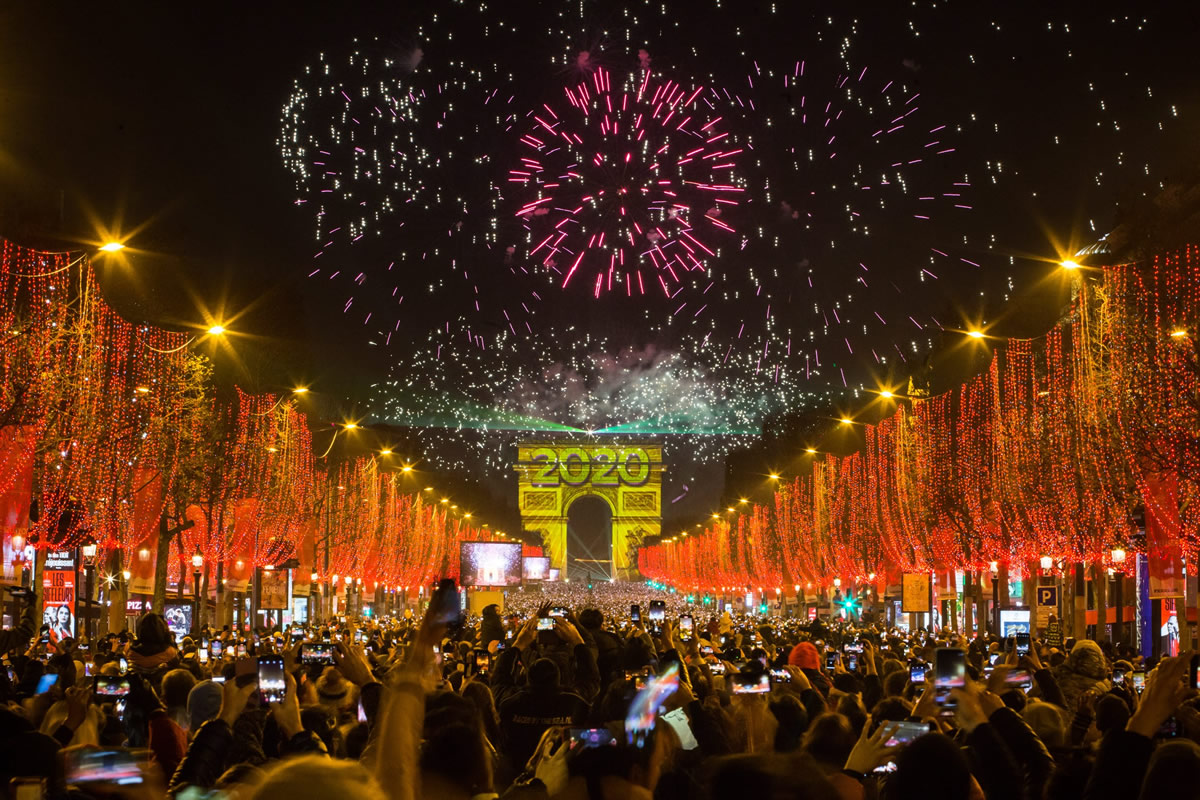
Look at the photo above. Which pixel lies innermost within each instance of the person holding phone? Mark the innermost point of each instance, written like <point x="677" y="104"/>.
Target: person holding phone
<point x="13" y="639"/>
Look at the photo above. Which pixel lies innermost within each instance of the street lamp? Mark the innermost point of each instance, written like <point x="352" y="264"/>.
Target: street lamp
<point x="1118" y="556"/>
<point x="1047" y="563"/>
<point x="197" y="565"/>
<point x="88" y="551"/>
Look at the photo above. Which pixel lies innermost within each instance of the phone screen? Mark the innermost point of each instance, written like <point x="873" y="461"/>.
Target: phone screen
<point x="545" y="623"/>
<point x="271" y="681"/>
<point x="45" y="682"/>
<point x="830" y="660"/>
<point x="635" y="613"/>
<point x="241" y="650"/>
<point x="215" y="647"/>
<point x="449" y="603"/>
<point x="685" y="627"/>
<point x="1019" y="678"/>
<point x="108" y="686"/>
<point x="1139" y="680"/>
<point x="781" y="676"/>
<point x="851" y="662"/>
<point x="750" y="684"/>
<point x="124" y="664"/>
<point x="117" y="766"/>
<point x="558" y="611"/>
<point x="1022" y="643"/>
<point x="916" y="673"/>
<point x="950" y="672"/>
<point x="589" y="738"/>
<point x="203" y="655"/>
<point x="320" y="653"/>
<point x="658" y="610"/>
<point x="483" y="660"/>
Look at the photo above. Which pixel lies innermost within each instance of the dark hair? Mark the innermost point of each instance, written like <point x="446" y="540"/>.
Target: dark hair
<point x="894" y="683"/>
<point x="792" y="717"/>
<point x="591" y="618"/>
<point x="829" y="739"/>
<point x="931" y="766"/>
<point x="780" y="777"/>
<point x="152" y="631"/>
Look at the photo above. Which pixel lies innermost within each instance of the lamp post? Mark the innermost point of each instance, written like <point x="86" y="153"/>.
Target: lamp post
<point x="197" y="565"/>
<point x="88" y="550"/>
<point x="1118" y="559"/>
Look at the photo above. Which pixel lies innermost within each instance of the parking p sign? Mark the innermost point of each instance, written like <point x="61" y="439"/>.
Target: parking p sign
<point x="1047" y="596"/>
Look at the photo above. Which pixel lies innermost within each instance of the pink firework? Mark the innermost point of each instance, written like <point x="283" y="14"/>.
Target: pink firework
<point x="629" y="185"/>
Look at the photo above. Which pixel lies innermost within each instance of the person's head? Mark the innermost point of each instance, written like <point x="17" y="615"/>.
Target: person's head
<point x="892" y="709"/>
<point x="932" y="766"/>
<point x="805" y="656"/>
<point x="176" y="685"/>
<point x="779" y="777"/>
<point x="203" y="703"/>
<point x="792" y="719"/>
<point x="317" y="776"/>
<point x="544" y="675"/>
<point x="1047" y="722"/>
<point x="1086" y="658"/>
<point x="491" y="611"/>
<point x="829" y="739"/>
<point x="1174" y="772"/>
<point x="152" y="631"/>
<point x="895" y="683"/>
<point x="592" y="619"/>
<point x="1112" y="713"/>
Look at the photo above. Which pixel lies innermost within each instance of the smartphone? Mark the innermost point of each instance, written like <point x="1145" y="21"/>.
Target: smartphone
<point x="483" y="661"/>
<point x="949" y="672"/>
<point x="751" y="684"/>
<point x="241" y="650"/>
<point x="218" y="679"/>
<point x="297" y="635"/>
<point x="993" y="658"/>
<point x="590" y="738"/>
<point x="685" y="627"/>
<point x="1019" y="679"/>
<point x="658" y="610"/>
<point x="204" y="642"/>
<point x="1194" y="672"/>
<point x="678" y="720"/>
<point x="545" y="623"/>
<point x="118" y="766"/>
<point x="635" y="613"/>
<point x="1139" y="680"/>
<point x="851" y="662"/>
<point x="1169" y="729"/>
<point x="781" y="676"/>
<point x="1118" y="677"/>
<point x="904" y="734"/>
<point x="831" y="660"/>
<point x="27" y="788"/>
<point x="1022" y="643"/>
<point x="45" y="682"/>
<point x="124" y="664"/>
<point x="320" y="653"/>
<point x="717" y="668"/>
<point x="907" y="732"/>
<point x="110" y="686"/>
<point x="447" y="602"/>
<point x="202" y="653"/>
<point x="215" y="648"/>
<point x="558" y="611"/>
<point x="271" y="681"/>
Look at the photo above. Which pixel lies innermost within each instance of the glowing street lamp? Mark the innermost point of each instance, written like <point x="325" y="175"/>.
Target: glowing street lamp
<point x="1069" y="265"/>
<point x="112" y="247"/>
<point x="217" y="330"/>
<point x="975" y="334"/>
<point x="1118" y="556"/>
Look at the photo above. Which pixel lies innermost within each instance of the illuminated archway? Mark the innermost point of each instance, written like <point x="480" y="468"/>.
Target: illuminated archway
<point x="626" y="475"/>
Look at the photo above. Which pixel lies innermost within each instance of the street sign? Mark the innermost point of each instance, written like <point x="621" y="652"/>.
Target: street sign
<point x="1047" y="596"/>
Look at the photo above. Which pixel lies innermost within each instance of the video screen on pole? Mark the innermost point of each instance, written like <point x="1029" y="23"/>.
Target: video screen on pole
<point x="535" y="568"/>
<point x="490" y="564"/>
<point x="553" y="574"/>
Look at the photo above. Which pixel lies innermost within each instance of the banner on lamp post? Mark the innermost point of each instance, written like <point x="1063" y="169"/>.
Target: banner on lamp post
<point x="241" y="565"/>
<point x="916" y="593"/>
<point x="1163" y="533"/>
<point x="58" y="594"/>
<point x="273" y="589"/>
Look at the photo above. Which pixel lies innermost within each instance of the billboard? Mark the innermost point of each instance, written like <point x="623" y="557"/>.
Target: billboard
<point x="491" y="564"/>
<point x="535" y="568"/>
<point x="179" y="619"/>
<point x="58" y="593"/>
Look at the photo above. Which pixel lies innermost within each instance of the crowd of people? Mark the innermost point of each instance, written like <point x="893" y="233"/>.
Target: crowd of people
<point x="613" y="692"/>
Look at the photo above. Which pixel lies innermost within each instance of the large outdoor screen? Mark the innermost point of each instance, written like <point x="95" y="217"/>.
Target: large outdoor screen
<point x="535" y="568"/>
<point x="490" y="564"/>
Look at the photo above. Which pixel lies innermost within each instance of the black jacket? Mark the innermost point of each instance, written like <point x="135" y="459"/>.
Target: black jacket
<point x="209" y="755"/>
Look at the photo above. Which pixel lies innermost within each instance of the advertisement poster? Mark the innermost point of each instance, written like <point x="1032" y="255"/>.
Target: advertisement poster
<point x="179" y="619"/>
<point x="274" y="592"/>
<point x="58" y="593"/>
<point x="915" y="593"/>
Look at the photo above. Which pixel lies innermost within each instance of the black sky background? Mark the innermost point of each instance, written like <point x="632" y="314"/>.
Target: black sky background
<point x="166" y="115"/>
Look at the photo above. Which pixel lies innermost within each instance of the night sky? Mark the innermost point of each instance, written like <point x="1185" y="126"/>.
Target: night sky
<point x="167" y="120"/>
